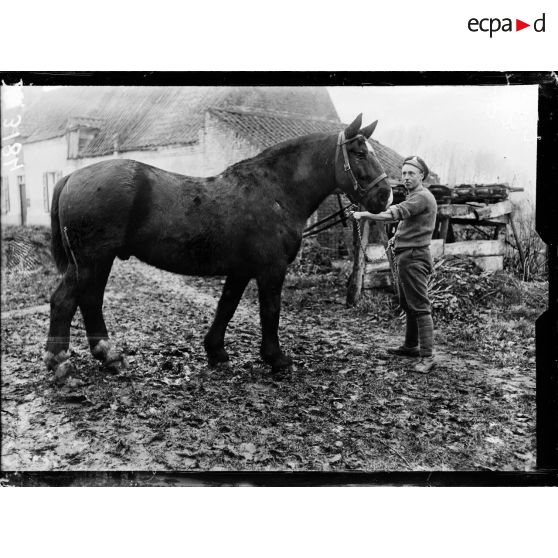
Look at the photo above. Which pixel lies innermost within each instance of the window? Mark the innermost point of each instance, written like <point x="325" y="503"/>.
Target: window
<point x="49" y="180"/>
<point x="83" y="141"/>
<point x="73" y="140"/>
<point x="78" y="139"/>
<point x="5" y="195"/>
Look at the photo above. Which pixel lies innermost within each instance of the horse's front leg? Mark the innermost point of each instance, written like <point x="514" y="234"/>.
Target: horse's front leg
<point x="214" y="341"/>
<point x="270" y="284"/>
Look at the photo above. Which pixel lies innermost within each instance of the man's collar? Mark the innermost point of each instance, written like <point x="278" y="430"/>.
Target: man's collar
<point x="417" y="189"/>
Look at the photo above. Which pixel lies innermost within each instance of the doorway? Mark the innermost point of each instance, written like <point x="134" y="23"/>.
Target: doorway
<point x="22" y="199"/>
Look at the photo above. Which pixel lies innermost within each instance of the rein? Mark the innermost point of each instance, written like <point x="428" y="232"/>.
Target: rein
<point x="342" y="215"/>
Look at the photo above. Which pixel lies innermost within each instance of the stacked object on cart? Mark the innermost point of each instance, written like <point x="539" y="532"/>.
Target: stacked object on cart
<point x="480" y="193"/>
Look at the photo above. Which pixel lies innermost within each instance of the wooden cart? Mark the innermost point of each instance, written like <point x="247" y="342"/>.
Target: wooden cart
<point x="371" y="267"/>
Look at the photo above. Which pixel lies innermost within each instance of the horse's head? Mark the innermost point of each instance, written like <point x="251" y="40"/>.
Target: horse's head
<point x="358" y="171"/>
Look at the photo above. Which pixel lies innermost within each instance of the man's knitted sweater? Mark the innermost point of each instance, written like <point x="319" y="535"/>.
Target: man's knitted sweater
<point x="418" y="219"/>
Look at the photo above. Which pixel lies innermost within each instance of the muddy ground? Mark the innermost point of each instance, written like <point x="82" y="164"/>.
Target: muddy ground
<point x="346" y="407"/>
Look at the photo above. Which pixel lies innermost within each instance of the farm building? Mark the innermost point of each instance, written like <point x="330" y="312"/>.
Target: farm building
<point x="197" y="131"/>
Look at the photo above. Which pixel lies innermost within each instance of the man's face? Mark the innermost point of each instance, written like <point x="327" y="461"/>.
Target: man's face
<point x="411" y="177"/>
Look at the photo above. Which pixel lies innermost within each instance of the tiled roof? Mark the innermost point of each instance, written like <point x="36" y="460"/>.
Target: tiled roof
<point x="266" y="128"/>
<point x="391" y="160"/>
<point x="145" y="117"/>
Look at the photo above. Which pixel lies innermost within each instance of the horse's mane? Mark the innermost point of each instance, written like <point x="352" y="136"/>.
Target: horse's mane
<point x="279" y="150"/>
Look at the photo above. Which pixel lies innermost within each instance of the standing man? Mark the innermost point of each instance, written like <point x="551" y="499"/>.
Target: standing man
<point x="411" y="245"/>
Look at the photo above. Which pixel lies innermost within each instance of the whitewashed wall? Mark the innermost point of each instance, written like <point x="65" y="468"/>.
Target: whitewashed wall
<point x="218" y="148"/>
<point x="38" y="158"/>
<point x="181" y="159"/>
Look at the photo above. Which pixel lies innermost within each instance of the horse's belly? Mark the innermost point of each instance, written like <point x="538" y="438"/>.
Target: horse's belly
<point x="192" y="258"/>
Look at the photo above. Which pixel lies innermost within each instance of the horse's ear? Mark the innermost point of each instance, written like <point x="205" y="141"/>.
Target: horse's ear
<point x="352" y="129"/>
<point x="369" y="130"/>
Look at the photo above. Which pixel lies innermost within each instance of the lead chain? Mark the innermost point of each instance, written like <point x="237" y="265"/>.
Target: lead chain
<point x="390" y="253"/>
<point x="360" y="243"/>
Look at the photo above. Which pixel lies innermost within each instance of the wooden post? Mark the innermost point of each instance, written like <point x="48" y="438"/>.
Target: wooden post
<point x="444" y="223"/>
<point x="516" y="236"/>
<point x="354" y="287"/>
<point x="497" y="228"/>
<point x="377" y="233"/>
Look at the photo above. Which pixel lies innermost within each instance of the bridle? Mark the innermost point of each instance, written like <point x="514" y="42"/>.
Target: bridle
<point x="358" y="190"/>
<point x="344" y="212"/>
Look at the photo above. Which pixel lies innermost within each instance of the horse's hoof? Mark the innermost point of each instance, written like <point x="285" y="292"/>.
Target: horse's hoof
<point x="219" y="364"/>
<point x="113" y="358"/>
<point x="225" y="365"/>
<point x="281" y="372"/>
<point x="116" y="366"/>
<point x="52" y="361"/>
<point x="62" y="372"/>
<point x="281" y="366"/>
<point x="219" y="358"/>
<point x="278" y="361"/>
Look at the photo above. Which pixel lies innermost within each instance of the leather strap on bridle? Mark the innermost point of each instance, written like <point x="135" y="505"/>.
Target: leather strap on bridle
<point x="357" y="188"/>
<point x="341" y="215"/>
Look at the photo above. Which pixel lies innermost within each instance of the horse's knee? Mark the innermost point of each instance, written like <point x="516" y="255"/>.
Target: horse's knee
<point x="58" y="297"/>
<point x="61" y="306"/>
<point x="64" y="296"/>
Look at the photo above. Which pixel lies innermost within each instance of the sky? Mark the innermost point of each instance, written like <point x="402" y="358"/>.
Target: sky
<point x="466" y="134"/>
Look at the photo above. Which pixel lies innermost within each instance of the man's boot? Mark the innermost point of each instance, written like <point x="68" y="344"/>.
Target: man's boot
<point x="426" y="342"/>
<point x="410" y="348"/>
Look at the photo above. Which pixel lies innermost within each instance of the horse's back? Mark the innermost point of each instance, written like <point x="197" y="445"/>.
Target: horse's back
<point x="105" y="183"/>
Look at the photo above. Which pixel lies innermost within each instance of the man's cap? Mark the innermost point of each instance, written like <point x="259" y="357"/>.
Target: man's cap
<point x="417" y="162"/>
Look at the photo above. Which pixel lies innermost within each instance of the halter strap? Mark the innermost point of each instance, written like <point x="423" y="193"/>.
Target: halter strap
<point x="341" y="143"/>
<point x="377" y="179"/>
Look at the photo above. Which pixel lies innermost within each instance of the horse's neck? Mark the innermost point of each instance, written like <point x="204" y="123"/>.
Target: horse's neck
<point x="310" y="175"/>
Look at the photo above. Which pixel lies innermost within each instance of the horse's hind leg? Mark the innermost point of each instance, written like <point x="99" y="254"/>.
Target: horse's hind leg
<point x="63" y="305"/>
<point x="90" y="302"/>
<point x="214" y="341"/>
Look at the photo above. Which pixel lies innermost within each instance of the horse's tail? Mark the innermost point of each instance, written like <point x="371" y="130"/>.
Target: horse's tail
<point x="57" y="239"/>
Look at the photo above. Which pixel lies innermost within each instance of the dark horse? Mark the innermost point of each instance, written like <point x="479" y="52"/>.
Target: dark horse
<point x="244" y="223"/>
